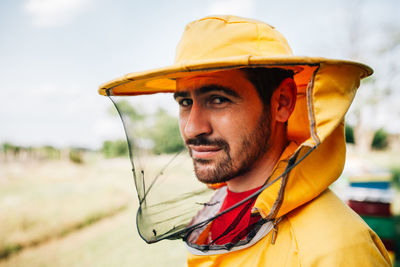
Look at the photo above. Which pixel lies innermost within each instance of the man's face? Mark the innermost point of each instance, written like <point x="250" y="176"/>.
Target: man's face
<point x="223" y="123"/>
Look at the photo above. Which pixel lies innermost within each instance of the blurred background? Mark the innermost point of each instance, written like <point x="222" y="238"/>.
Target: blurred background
<point x="67" y="196"/>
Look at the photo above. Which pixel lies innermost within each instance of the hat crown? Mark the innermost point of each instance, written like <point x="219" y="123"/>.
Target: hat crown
<point x="229" y="36"/>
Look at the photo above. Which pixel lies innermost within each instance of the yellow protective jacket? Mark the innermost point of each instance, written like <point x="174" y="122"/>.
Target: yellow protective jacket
<point x="312" y="226"/>
<point x="323" y="232"/>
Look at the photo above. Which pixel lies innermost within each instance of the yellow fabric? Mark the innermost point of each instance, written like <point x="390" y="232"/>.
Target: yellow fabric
<point x="231" y="36"/>
<point x="330" y="96"/>
<point x="324" y="232"/>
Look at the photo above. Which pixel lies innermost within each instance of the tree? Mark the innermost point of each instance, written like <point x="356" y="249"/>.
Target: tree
<point x="75" y="156"/>
<point x="380" y="140"/>
<point x="126" y="109"/>
<point x="161" y="129"/>
<point x="165" y="134"/>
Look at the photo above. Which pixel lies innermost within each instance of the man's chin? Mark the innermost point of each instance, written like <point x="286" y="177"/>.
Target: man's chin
<point x="209" y="174"/>
<point x="211" y="180"/>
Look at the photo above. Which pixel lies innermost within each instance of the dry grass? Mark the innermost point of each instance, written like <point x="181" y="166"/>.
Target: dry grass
<point x="46" y="206"/>
<point x="40" y="201"/>
<point x="111" y="242"/>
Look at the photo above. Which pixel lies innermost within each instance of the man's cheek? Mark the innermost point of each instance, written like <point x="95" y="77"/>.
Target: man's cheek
<point x="182" y="124"/>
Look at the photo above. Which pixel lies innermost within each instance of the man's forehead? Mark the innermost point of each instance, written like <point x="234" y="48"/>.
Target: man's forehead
<point x="228" y="79"/>
<point x="206" y="89"/>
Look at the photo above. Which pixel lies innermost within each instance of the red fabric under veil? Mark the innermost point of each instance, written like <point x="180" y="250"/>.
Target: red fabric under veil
<point x="234" y="225"/>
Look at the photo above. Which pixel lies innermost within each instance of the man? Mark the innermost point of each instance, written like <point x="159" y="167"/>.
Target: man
<point x="265" y="128"/>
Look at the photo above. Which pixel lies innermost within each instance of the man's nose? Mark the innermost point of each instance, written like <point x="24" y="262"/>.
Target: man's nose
<point x="197" y="123"/>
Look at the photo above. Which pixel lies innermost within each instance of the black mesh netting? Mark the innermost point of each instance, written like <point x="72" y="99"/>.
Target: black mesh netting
<point x="168" y="191"/>
<point x="172" y="202"/>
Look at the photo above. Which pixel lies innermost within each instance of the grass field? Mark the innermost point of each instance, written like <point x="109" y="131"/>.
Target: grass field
<point x="110" y="242"/>
<point x="58" y="213"/>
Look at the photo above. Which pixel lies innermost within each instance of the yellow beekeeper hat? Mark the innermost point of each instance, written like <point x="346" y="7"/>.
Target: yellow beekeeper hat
<point x="221" y="43"/>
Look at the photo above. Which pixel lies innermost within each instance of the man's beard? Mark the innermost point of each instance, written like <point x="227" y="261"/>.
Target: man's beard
<point x="253" y="146"/>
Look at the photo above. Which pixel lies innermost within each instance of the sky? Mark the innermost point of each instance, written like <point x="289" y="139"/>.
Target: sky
<point x="55" y="53"/>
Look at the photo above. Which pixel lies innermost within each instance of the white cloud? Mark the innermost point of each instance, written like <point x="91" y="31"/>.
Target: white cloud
<point x="243" y="8"/>
<point x="51" y="13"/>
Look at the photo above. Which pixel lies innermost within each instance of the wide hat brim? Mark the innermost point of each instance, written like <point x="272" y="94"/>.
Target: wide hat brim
<point x="163" y="80"/>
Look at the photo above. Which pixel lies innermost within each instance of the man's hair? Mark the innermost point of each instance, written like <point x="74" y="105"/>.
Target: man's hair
<point x="266" y="80"/>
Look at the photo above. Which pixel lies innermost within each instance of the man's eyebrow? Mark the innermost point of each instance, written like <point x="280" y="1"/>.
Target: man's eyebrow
<point x="212" y="88"/>
<point x="207" y="89"/>
<point x="181" y="94"/>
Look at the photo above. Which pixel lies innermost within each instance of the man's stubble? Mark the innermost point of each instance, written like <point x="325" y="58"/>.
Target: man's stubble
<point x="253" y="146"/>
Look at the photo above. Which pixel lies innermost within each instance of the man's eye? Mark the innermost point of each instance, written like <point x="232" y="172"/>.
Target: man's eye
<point x="219" y="100"/>
<point x="185" y="102"/>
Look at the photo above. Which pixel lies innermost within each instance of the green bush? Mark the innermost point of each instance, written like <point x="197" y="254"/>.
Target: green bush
<point x="51" y="152"/>
<point x="7" y="147"/>
<point x="380" y="140"/>
<point x="75" y="156"/>
<point x="349" y="134"/>
<point x="113" y="149"/>
<point x="396" y="177"/>
<point x="11" y="149"/>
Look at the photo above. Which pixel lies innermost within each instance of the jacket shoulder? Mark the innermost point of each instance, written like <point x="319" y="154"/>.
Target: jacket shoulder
<point x="328" y="233"/>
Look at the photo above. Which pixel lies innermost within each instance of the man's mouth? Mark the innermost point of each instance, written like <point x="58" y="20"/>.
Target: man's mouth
<point x="204" y="151"/>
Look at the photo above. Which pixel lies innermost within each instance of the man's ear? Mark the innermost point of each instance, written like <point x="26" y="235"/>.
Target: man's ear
<point x="284" y="98"/>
